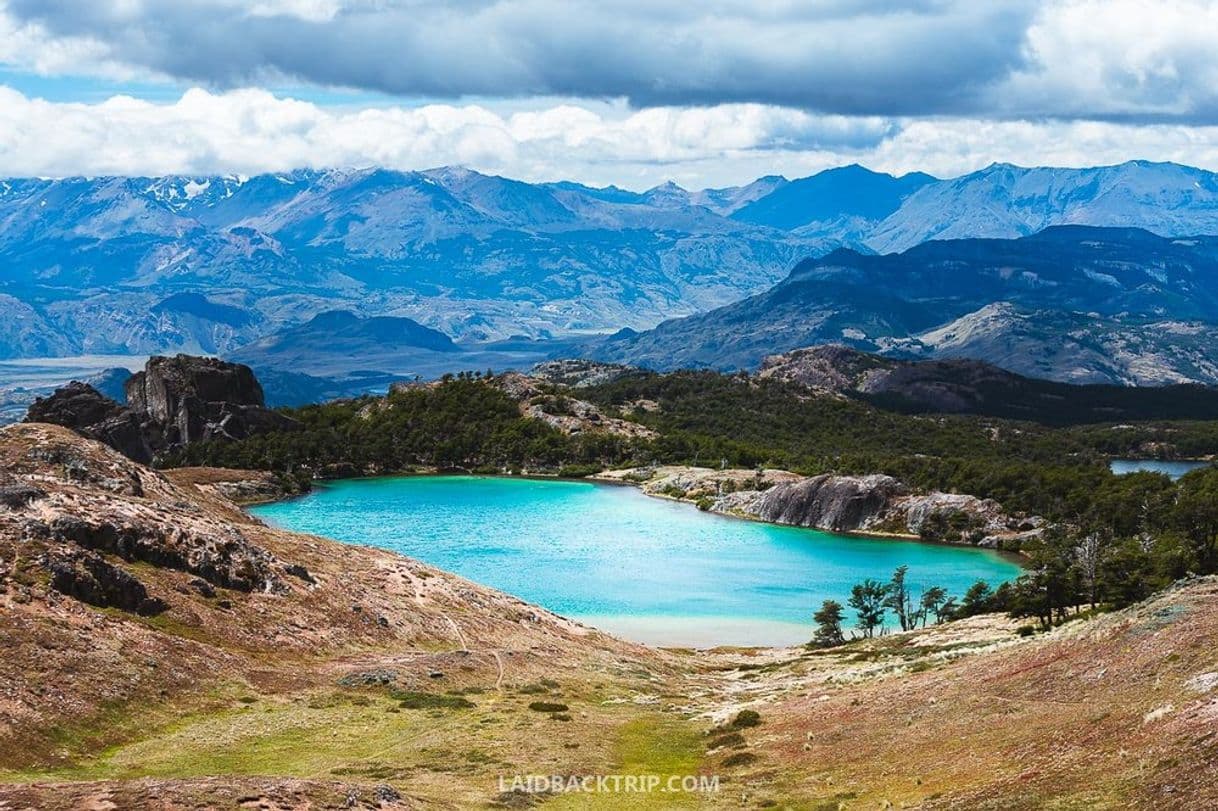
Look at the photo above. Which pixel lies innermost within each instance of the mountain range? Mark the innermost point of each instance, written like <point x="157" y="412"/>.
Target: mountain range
<point x="139" y="265"/>
<point x="1070" y="303"/>
<point x="121" y="265"/>
<point x="334" y="282"/>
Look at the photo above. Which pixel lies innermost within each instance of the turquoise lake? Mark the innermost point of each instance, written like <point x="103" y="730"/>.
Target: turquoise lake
<point x="646" y="569"/>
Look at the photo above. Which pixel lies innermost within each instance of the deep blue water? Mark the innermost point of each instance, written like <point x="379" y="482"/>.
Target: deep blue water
<point x="645" y="568"/>
<point x="1173" y="469"/>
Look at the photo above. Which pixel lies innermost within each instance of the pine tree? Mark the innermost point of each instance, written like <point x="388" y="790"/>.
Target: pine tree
<point x="829" y="624"/>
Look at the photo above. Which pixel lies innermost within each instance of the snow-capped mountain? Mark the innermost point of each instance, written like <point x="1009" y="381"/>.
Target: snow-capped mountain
<point x="129" y="265"/>
<point x="1007" y="201"/>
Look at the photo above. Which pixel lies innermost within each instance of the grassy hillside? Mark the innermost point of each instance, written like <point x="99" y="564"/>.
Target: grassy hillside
<point x="363" y="679"/>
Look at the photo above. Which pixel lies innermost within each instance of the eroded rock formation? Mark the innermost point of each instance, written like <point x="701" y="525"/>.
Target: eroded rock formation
<point x="838" y="503"/>
<point x="87" y="411"/>
<point x="172" y="402"/>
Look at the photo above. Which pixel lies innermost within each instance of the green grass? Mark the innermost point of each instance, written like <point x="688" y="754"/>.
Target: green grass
<point x="68" y="748"/>
<point x="289" y="738"/>
<point x="652" y="745"/>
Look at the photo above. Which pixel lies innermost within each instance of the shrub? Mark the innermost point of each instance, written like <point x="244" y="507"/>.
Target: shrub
<point x="548" y="706"/>
<point x="745" y="719"/>
<point x="730" y="739"/>
<point x="578" y="471"/>
<point x="411" y="700"/>
<point x="739" y="759"/>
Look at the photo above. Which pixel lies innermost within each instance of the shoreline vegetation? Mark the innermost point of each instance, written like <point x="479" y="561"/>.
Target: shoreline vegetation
<point x="1091" y="539"/>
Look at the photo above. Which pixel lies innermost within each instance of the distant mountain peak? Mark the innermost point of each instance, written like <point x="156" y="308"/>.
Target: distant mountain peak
<point x="1031" y="305"/>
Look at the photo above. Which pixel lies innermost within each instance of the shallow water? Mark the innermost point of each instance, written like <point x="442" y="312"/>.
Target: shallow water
<point x="648" y="569"/>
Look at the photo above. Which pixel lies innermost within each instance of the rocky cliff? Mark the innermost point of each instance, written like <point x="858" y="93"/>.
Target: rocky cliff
<point x="172" y="402"/>
<point x="197" y="399"/>
<point x="838" y="503"/>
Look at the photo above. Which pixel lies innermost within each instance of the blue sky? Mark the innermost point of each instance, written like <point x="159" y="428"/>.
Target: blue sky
<point x="628" y="92"/>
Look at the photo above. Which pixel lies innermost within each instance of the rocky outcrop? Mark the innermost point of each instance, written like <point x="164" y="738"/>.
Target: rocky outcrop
<point x="223" y="558"/>
<point x="198" y="399"/>
<point x="837" y="503"/>
<point x="83" y="513"/>
<point x="827" y="369"/>
<point x="88" y="577"/>
<point x="941" y="386"/>
<point x="172" y="402"/>
<point x="579" y="374"/>
<point x="559" y="410"/>
<point x="87" y="411"/>
<point x="875" y="504"/>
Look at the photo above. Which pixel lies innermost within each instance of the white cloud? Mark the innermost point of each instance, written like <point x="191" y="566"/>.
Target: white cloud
<point x="633" y="92"/>
<point x="252" y="131"/>
<point x="1121" y="59"/>
<point x="249" y="131"/>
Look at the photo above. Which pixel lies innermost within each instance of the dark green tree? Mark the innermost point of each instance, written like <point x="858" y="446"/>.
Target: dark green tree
<point x="869" y="599"/>
<point x="976" y="600"/>
<point x="933" y="601"/>
<point x="1197" y="516"/>
<point x="899" y="599"/>
<point x="829" y="624"/>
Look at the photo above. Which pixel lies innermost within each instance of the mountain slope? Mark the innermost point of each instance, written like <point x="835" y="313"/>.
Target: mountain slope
<point x="1078" y="347"/>
<point x="127" y="265"/>
<point x="1006" y="201"/>
<point x="212" y="660"/>
<point x="1158" y="293"/>
<point x="848" y="193"/>
<point x="961" y="386"/>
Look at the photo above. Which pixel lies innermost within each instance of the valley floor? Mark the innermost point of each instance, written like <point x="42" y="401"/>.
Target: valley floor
<point x="357" y="678"/>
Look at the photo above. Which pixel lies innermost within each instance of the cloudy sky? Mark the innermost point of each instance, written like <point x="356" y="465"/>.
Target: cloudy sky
<point x="633" y="92"/>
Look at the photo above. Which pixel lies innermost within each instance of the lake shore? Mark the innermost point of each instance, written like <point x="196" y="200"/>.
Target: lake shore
<point x="663" y="573"/>
<point x="250" y="488"/>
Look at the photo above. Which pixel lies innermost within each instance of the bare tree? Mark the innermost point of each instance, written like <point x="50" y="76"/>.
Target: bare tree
<point x="1087" y="555"/>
